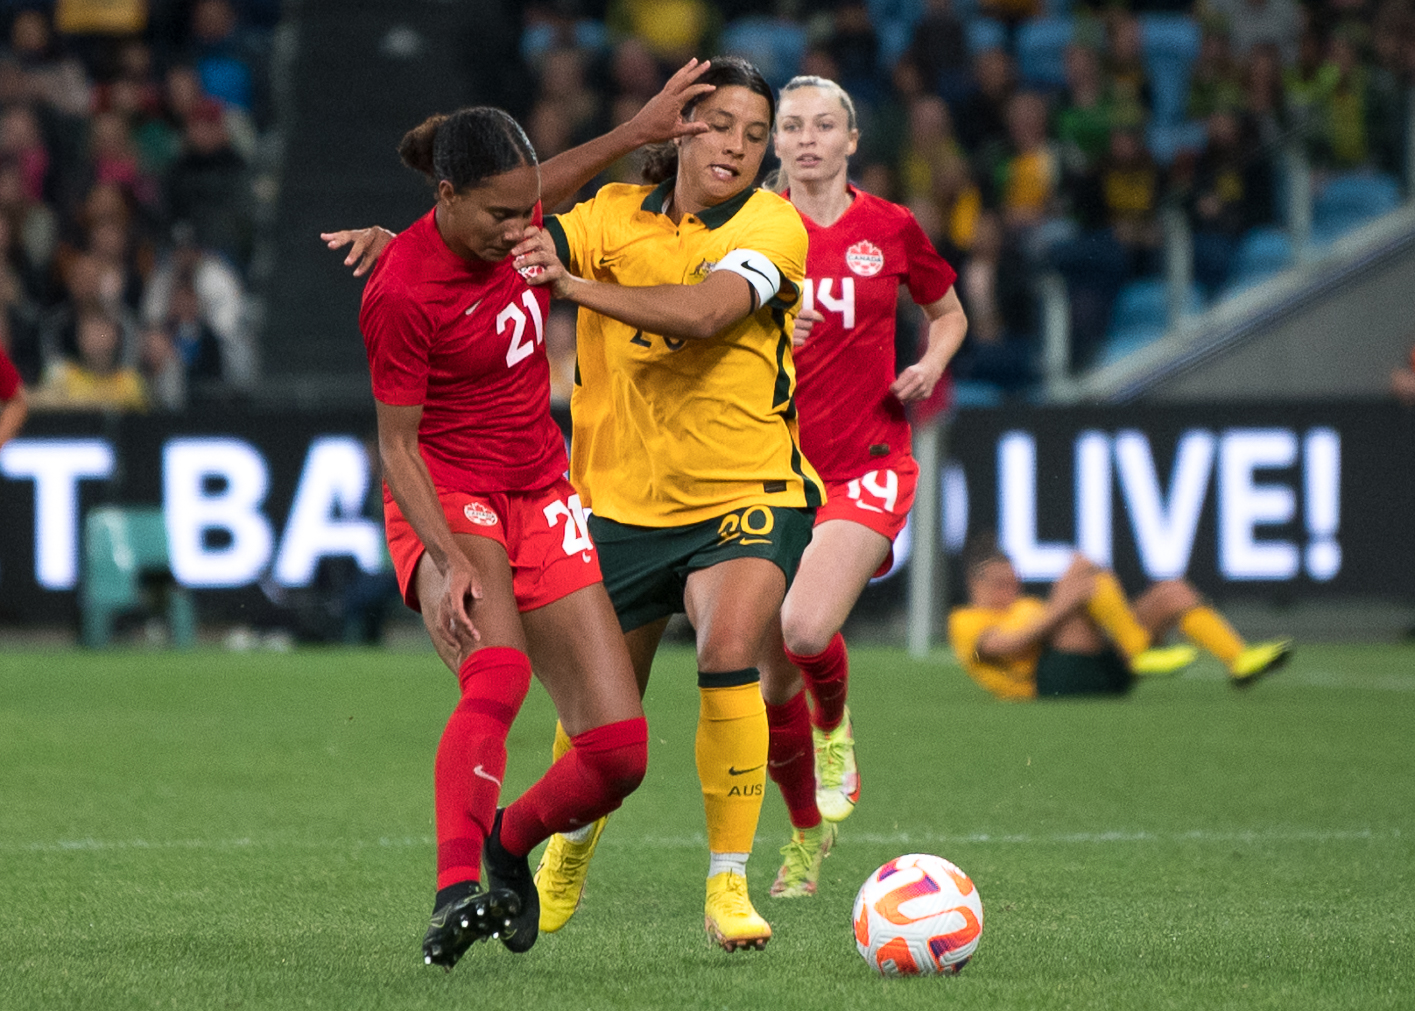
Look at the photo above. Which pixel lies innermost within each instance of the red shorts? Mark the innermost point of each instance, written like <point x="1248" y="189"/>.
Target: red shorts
<point x="879" y="499"/>
<point x="543" y="532"/>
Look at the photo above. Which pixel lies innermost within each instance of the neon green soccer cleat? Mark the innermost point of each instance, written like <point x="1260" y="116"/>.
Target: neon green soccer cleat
<point x="837" y="776"/>
<point x="560" y="877"/>
<point x="801" y="860"/>
<point x="1163" y="660"/>
<point x="1255" y="661"/>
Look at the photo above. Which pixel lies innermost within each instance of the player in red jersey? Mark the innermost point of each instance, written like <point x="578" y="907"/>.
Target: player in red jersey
<point x="13" y="403"/>
<point x="854" y="431"/>
<point x="487" y="537"/>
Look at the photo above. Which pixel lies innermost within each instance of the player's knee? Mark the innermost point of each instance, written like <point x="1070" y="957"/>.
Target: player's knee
<point x="1178" y="595"/>
<point x="804" y="637"/>
<point x="621" y="765"/>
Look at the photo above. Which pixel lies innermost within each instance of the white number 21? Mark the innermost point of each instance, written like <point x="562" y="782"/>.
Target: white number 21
<point x="517" y="351"/>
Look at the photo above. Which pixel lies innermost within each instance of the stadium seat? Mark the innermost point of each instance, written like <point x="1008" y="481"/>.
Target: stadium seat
<point x="1141" y="316"/>
<point x="1171" y="43"/>
<point x="1167" y="140"/>
<point x="1350" y="199"/>
<point x="894" y="22"/>
<point x="1262" y="252"/>
<point x="1120" y="343"/>
<point x="985" y="33"/>
<point x="1041" y="51"/>
<point x="973" y="393"/>
<point x="775" y="46"/>
<point x="120" y="545"/>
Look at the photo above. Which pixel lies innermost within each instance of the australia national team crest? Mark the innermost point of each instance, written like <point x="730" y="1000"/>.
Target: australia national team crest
<point x="865" y="258"/>
<point x="479" y="514"/>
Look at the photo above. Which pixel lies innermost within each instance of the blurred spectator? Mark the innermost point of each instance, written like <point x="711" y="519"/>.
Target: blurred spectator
<point x="1123" y="195"/>
<point x="14" y="402"/>
<point x="114" y="159"/>
<point x="1402" y="382"/>
<point x="1227" y="191"/>
<point x="939" y="49"/>
<point x="163" y="370"/>
<point x="96" y="380"/>
<point x="935" y="177"/>
<point x="216" y="52"/>
<point x="1254" y="22"/>
<point x="1011" y="12"/>
<point x="1127" y="82"/>
<point x="982" y="118"/>
<point x="209" y="186"/>
<point x="1083" y="121"/>
<point x="1216" y="80"/>
<point x="1026" y="181"/>
<point x="854" y="47"/>
<point x="33" y="232"/>
<point x="993" y="288"/>
<point x="110" y="243"/>
<point x="1264" y="103"/>
<point x="673" y="30"/>
<point x="22" y="144"/>
<point x="1348" y="104"/>
<point x="218" y="310"/>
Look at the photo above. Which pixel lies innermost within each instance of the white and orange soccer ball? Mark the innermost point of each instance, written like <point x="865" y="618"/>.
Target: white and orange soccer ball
<point x="918" y="915"/>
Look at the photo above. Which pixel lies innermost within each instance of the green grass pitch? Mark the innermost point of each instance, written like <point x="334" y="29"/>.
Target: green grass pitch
<point x="214" y="831"/>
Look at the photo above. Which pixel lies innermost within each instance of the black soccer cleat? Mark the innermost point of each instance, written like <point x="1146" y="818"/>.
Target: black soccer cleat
<point x="459" y="924"/>
<point x="513" y="874"/>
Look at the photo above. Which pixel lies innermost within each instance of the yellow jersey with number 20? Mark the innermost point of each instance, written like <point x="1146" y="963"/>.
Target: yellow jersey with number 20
<point x="669" y="432"/>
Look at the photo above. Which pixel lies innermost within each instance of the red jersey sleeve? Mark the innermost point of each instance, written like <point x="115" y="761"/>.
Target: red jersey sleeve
<point x="930" y="275"/>
<point x="9" y="377"/>
<point x="399" y="335"/>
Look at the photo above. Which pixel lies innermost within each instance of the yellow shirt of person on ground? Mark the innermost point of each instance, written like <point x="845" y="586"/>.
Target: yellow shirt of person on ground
<point x="1013" y="678"/>
<point x="670" y="432"/>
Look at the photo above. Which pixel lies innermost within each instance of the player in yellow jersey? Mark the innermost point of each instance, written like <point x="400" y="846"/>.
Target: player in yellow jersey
<point x="685" y="444"/>
<point x="1086" y="638"/>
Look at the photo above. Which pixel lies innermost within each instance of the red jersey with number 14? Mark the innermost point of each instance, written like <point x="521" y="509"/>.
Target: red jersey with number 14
<point x="466" y="340"/>
<point x="850" y="422"/>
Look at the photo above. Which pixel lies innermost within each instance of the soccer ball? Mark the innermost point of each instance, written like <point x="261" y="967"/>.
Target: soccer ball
<point x="918" y="915"/>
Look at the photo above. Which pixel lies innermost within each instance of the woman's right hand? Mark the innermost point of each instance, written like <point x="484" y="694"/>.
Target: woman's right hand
<point x="452" y="619"/>
<point x="368" y="244"/>
<point x="534" y="257"/>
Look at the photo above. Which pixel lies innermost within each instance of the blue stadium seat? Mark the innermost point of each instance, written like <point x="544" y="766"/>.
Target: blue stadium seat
<point x="985" y="33"/>
<point x="1262" y="252"/>
<point x="973" y="393"/>
<point x="1171" y="43"/>
<point x="1145" y="303"/>
<point x="1120" y="343"/>
<point x="1167" y="140"/>
<point x="120" y="545"/>
<point x="894" y="22"/>
<point x="1041" y="51"/>
<point x="1349" y="200"/>
<point x="774" y="46"/>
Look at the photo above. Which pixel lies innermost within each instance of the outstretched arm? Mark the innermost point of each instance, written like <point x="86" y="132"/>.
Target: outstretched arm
<point x="1068" y="595"/>
<point x="660" y="119"/>
<point x="947" y="325"/>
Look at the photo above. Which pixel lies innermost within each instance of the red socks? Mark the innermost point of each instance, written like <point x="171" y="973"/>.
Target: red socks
<point x="827" y="676"/>
<point x="790" y="759"/>
<point x="603" y="766"/>
<point x="471" y="758"/>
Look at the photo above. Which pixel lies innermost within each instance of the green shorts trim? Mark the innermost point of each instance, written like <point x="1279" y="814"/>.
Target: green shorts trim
<point x="646" y="568"/>
<point x="1061" y="673"/>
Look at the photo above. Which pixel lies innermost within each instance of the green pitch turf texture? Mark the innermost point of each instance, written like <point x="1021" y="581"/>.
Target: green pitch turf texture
<point x="214" y="831"/>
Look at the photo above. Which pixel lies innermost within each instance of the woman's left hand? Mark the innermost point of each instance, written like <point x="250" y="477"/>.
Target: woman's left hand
<point x="534" y="257"/>
<point x="916" y="383"/>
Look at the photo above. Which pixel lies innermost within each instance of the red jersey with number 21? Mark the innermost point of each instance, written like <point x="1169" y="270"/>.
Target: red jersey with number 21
<point x="850" y="422"/>
<point x="466" y="340"/>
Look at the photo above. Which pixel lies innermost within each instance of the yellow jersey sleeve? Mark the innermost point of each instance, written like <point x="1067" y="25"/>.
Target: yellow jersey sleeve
<point x="775" y="231"/>
<point x="1009" y="679"/>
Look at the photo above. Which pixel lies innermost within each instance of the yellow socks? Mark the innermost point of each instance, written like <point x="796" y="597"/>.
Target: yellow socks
<point x="1110" y="610"/>
<point x="731" y="750"/>
<point x="1207" y="628"/>
<point x="562" y="744"/>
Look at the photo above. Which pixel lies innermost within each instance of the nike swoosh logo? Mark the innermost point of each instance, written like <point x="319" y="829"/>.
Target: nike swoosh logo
<point x="474" y="307"/>
<point x="782" y="765"/>
<point x="479" y="771"/>
<point x="733" y="771"/>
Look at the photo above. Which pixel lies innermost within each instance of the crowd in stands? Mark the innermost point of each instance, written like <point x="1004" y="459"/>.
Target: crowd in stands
<point x="1031" y="135"/>
<point x="127" y="134"/>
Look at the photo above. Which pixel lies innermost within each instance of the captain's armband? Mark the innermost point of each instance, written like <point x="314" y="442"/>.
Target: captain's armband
<point x="759" y="271"/>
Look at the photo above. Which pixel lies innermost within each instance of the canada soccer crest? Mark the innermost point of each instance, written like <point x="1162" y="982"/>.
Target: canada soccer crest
<point x="479" y="514"/>
<point x="865" y="258"/>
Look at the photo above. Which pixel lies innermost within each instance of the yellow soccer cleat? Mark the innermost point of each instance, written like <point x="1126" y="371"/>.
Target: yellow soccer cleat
<point x="837" y="776"/>
<point x="560" y="877"/>
<point x="730" y="919"/>
<point x="801" y="860"/>
<point x="1163" y="660"/>
<point x="1255" y="661"/>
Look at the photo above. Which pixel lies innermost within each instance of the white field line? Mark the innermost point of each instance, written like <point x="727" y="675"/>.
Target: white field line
<point x="698" y="840"/>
